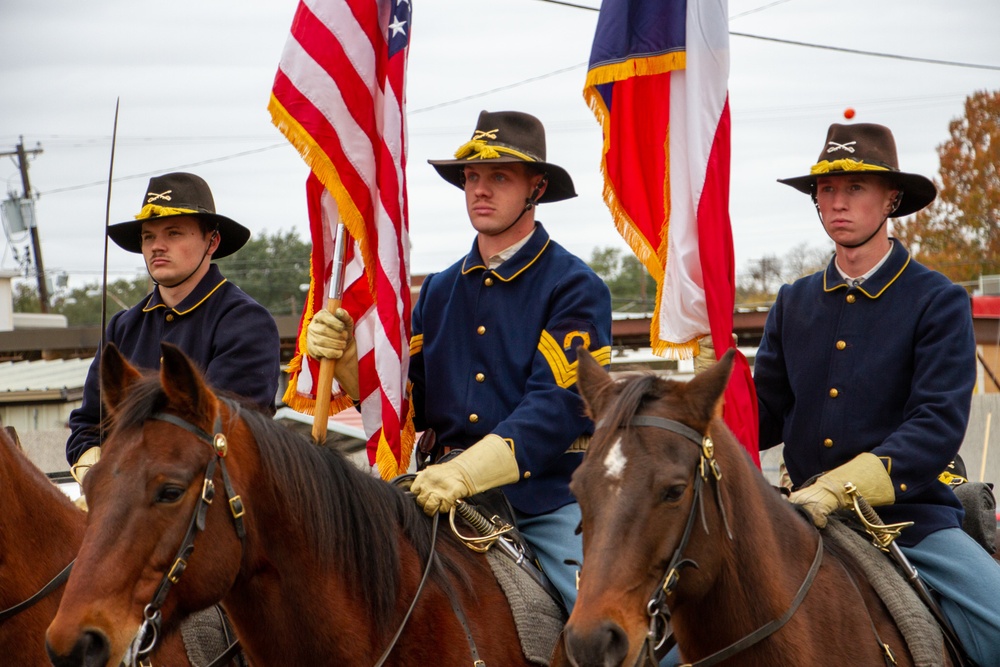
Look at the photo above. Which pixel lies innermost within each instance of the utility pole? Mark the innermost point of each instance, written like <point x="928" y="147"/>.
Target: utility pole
<point x="36" y="248"/>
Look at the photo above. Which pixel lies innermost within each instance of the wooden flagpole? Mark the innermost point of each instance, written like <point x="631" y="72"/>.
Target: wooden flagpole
<point x="321" y="412"/>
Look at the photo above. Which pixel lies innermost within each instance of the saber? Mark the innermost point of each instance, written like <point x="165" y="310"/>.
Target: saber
<point x="104" y="277"/>
<point x="884" y="537"/>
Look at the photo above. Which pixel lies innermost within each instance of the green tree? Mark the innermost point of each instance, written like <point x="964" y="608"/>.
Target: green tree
<point x="26" y="298"/>
<point x="959" y="233"/>
<point x="632" y="287"/>
<point x="271" y="268"/>
<point x="82" y="305"/>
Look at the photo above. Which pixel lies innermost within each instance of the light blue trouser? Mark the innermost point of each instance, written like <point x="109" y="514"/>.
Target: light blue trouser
<point x="967" y="582"/>
<point x="554" y="539"/>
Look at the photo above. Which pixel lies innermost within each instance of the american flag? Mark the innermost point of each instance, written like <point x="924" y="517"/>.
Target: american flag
<point x="338" y="97"/>
<point x="658" y="84"/>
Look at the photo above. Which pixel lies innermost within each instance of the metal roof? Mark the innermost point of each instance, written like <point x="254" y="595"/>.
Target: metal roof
<point x="42" y="379"/>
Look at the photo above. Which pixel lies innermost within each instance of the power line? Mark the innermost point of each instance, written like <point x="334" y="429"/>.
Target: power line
<point x="875" y="54"/>
<point x="146" y="174"/>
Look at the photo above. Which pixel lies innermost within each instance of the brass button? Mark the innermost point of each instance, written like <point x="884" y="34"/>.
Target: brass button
<point x="481" y="330"/>
<point x="834" y="393"/>
<point x="488" y="282"/>
<point x="828" y="443"/>
<point x="170" y="317"/>
<point x="527" y="474"/>
<point x="851" y="298"/>
<point x="480" y="377"/>
<point x="473" y="418"/>
<point x="902" y="487"/>
<point x="841" y="345"/>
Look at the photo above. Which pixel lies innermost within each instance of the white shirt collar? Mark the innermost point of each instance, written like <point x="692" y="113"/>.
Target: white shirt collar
<point x="502" y="256"/>
<point x="854" y="282"/>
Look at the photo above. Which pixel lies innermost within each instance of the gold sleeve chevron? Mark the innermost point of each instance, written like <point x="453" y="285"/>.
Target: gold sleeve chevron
<point x="563" y="370"/>
<point x="416" y="345"/>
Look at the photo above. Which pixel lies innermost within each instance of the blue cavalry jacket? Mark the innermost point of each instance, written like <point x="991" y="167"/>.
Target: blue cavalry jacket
<point x="493" y="351"/>
<point x="220" y="327"/>
<point x="887" y="367"/>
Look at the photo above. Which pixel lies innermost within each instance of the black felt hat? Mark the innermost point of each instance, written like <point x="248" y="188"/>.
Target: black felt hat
<point x="871" y="149"/>
<point x="508" y="136"/>
<point x="174" y="195"/>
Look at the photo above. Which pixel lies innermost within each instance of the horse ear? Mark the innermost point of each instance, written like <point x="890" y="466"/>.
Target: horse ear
<point x="592" y="381"/>
<point x="705" y="390"/>
<point x="183" y="382"/>
<point x="117" y="375"/>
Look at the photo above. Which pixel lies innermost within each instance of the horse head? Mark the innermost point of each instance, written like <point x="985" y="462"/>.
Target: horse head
<point x="639" y="488"/>
<point x="148" y="494"/>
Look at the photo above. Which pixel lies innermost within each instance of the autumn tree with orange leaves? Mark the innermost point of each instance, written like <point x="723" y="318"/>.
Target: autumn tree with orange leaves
<point x="959" y="233"/>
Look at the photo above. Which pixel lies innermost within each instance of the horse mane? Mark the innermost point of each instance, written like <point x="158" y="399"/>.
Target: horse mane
<point x="351" y="519"/>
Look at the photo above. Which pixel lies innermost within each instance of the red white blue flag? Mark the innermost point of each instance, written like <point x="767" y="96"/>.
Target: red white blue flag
<point x="338" y="97"/>
<point x="658" y="84"/>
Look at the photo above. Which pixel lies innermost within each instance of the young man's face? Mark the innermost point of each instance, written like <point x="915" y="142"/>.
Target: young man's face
<point x="853" y="206"/>
<point x="174" y="248"/>
<point x="495" y="194"/>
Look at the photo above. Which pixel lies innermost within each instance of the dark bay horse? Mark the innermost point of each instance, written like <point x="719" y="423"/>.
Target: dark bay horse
<point x="40" y="534"/>
<point x="330" y="557"/>
<point x="647" y="509"/>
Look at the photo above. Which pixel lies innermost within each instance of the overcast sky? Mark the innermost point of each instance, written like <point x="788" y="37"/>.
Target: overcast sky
<point x="194" y="78"/>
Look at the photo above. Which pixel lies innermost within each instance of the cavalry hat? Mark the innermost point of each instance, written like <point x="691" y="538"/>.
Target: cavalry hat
<point x="870" y="148"/>
<point x="508" y="136"/>
<point x="173" y="195"/>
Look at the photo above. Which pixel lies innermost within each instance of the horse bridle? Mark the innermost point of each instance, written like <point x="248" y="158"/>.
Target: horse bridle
<point x="656" y="607"/>
<point x="149" y="632"/>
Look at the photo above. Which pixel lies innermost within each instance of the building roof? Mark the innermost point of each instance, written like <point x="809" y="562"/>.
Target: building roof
<point x="43" y="379"/>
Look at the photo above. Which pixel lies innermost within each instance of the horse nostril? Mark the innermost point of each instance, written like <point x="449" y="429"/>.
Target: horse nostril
<point x="607" y="646"/>
<point x="90" y="650"/>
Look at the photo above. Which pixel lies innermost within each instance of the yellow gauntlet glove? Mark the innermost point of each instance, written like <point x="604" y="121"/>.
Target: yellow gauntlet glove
<point x="80" y="469"/>
<point x="485" y="465"/>
<point x="827" y="494"/>
<point x="331" y="336"/>
<point x="83" y="464"/>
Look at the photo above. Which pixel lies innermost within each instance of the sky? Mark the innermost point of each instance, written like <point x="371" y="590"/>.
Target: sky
<point x="193" y="78"/>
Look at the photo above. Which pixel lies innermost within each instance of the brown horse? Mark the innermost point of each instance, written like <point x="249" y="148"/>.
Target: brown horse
<point x="329" y="559"/>
<point x="40" y="534"/>
<point x="677" y="527"/>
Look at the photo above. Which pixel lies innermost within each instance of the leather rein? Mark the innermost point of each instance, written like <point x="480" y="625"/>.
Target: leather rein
<point x="56" y="582"/>
<point x="656" y="607"/>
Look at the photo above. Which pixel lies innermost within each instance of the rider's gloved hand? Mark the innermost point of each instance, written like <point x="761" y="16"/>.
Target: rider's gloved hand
<point x="827" y="493"/>
<point x="331" y="336"/>
<point x="485" y="465"/>
<point x="80" y="469"/>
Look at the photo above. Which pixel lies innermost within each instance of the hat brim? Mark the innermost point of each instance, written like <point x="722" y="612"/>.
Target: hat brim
<point x="560" y="185"/>
<point x="233" y="235"/>
<point x="918" y="191"/>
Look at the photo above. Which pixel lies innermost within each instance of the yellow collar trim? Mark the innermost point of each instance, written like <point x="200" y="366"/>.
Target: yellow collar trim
<point x="148" y="308"/>
<point x="155" y="211"/>
<point x="844" y="164"/>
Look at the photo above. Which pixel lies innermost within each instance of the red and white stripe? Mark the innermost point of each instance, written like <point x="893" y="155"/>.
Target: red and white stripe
<point x="338" y="97"/>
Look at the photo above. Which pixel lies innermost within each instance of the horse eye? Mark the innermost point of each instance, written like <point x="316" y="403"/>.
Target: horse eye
<point x="672" y="494"/>
<point x="169" y="494"/>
